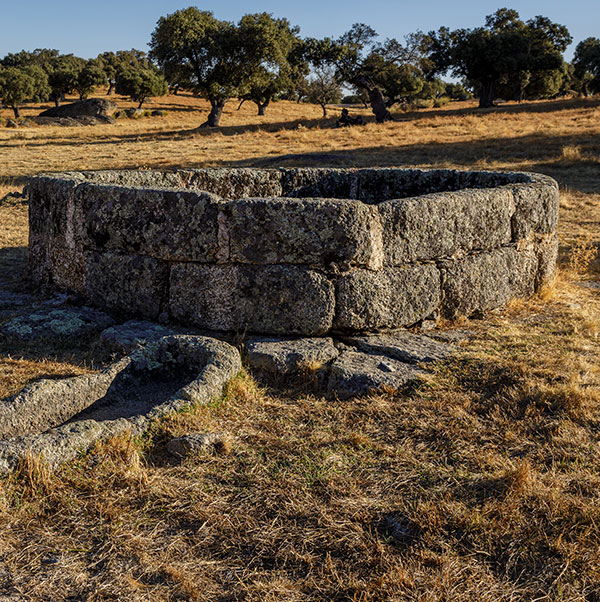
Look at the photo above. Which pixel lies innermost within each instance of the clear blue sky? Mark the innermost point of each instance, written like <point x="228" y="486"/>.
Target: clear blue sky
<point x="88" y="28"/>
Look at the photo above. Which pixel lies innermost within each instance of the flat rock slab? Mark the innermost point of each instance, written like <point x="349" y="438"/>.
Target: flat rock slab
<point x="60" y="323"/>
<point x="126" y="337"/>
<point x="289" y="356"/>
<point x="355" y="373"/>
<point x="403" y="346"/>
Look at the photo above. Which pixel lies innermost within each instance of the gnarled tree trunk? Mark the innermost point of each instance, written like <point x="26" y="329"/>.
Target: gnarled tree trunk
<point x="262" y="106"/>
<point x="214" y="117"/>
<point x="375" y="98"/>
<point x="487" y="95"/>
<point x="16" y="111"/>
<point x="111" y="87"/>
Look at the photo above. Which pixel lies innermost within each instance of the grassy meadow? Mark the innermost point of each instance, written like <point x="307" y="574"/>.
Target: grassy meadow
<point x="480" y="484"/>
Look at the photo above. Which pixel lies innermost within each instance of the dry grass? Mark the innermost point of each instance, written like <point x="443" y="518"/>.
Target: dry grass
<point x="481" y="484"/>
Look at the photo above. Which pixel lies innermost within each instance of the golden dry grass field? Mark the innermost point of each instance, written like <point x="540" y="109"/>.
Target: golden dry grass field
<point x="481" y="484"/>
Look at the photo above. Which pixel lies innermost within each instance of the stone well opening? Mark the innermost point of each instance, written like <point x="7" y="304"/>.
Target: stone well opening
<point x="294" y="251"/>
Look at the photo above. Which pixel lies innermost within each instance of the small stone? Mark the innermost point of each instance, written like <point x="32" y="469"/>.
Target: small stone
<point x="354" y="373"/>
<point x="403" y="346"/>
<point x="289" y="356"/>
<point x="188" y="445"/>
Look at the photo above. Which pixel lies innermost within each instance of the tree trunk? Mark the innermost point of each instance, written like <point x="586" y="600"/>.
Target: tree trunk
<point x="262" y="106"/>
<point x="16" y="111"/>
<point x="241" y="103"/>
<point x="324" y="107"/>
<point x="212" y="121"/>
<point x="141" y="103"/>
<point x="487" y="95"/>
<point x="111" y="87"/>
<point x="375" y="98"/>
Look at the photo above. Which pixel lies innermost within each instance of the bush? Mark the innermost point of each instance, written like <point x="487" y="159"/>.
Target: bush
<point x="423" y="103"/>
<point x="441" y="101"/>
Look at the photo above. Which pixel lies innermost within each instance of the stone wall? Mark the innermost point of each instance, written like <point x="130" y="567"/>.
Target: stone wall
<point x="294" y="251"/>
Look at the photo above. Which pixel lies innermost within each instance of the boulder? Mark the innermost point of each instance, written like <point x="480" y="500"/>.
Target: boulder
<point x="276" y="356"/>
<point x="90" y="107"/>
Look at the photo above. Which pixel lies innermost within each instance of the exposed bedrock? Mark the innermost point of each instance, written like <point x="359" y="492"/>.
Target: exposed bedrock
<point x="294" y="251"/>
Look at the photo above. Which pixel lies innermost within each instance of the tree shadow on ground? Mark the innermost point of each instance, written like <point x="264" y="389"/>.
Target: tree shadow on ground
<point x="548" y="106"/>
<point x="533" y="152"/>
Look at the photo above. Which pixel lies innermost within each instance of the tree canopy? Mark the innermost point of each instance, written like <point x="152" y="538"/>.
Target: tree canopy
<point x="506" y="56"/>
<point x="192" y="45"/>
<point x="586" y="66"/>
<point x="139" y="83"/>
<point x="22" y="84"/>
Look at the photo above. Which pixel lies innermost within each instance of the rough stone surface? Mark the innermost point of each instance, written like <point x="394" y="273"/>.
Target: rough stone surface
<point x="91" y="106"/>
<point x="403" y="346"/>
<point x="446" y="224"/>
<point x="129" y="284"/>
<point x="165" y="224"/>
<point x="192" y="444"/>
<point x="488" y="280"/>
<point x="262" y="250"/>
<point x="59" y="323"/>
<point x="131" y="335"/>
<point x="370" y="300"/>
<point x="547" y="255"/>
<point x="289" y="356"/>
<point x="356" y="373"/>
<point x="164" y="376"/>
<point x="270" y="299"/>
<point x="536" y="208"/>
<point x="320" y="232"/>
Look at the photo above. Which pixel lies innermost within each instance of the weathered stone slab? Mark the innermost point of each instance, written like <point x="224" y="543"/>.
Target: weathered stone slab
<point x="262" y="299"/>
<point x="319" y="232"/>
<point x="536" y="208"/>
<point x="389" y="298"/>
<point x="235" y="183"/>
<point x="289" y="356"/>
<point x="61" y="323"/>
<point x="126" y="337"/>
<point x="355" y="373"/>
<point x="165" y="224"/>
<point x="403" y="346"/>
<point x="127" y="284"/>
<point x="445" y="225"/>
<point x="488" y="280"/>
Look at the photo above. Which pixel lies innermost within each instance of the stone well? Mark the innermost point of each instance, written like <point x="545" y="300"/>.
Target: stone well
<point x="294" y="251"/>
